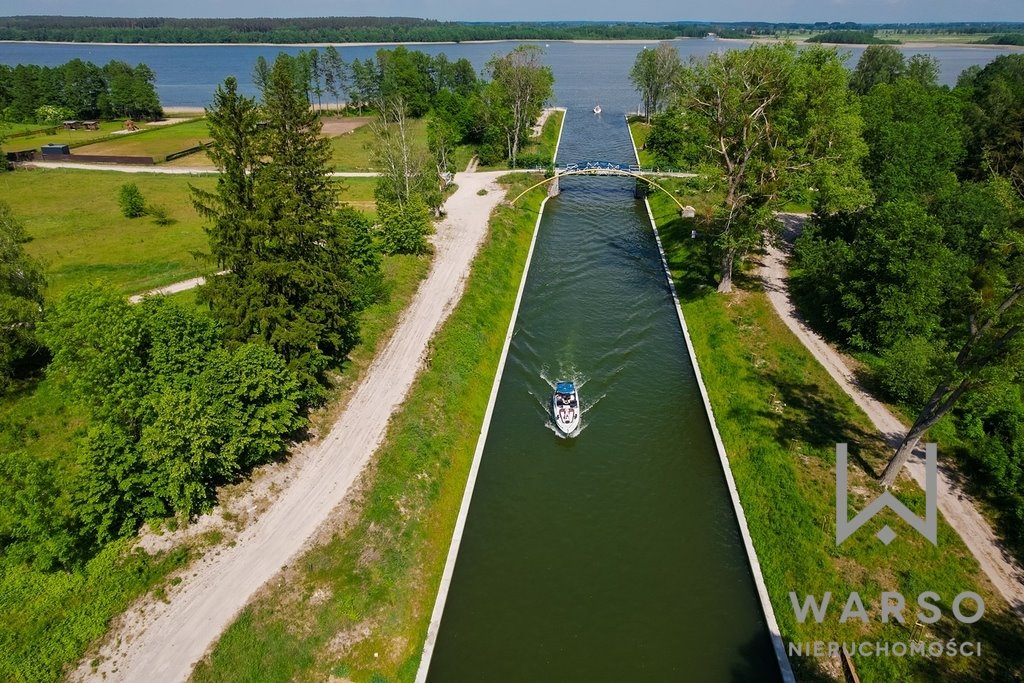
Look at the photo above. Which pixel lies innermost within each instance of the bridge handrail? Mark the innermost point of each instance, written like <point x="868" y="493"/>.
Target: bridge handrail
<point x="580" y="166"/>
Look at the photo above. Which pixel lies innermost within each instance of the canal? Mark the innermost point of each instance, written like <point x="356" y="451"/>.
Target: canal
<point x="615" y="555"/>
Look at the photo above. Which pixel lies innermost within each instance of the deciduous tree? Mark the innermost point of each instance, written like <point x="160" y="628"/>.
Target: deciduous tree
<point x="654" y="73"/>
<point x="521" y="85"/>
<point x="772" y="122"/>
<point x="21" y="295"/>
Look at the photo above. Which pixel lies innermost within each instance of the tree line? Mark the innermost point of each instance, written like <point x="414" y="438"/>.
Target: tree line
<point x="403" y="29"/>
<point x="333" y="30"/>
<point x="77" y="89"/>
<point x="913" y="257"/>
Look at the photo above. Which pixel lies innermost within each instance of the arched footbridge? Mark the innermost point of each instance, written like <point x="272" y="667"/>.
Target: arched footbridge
<point x="611" y="168"/>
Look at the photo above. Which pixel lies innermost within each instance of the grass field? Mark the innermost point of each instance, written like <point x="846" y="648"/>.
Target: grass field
<point x="81" y="140"/>
<point x="357" y="608"/>
<point x="155" y="142"/>
<point x="780" y="416"/>
<point x="21" y="129"/>
<point x="78" y="231"/>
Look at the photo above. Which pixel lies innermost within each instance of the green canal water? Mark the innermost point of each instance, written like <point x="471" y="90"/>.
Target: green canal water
<point x="613" y="556"/>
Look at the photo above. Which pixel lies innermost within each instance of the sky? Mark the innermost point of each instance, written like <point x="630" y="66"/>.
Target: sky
<point x="544" y="10"/>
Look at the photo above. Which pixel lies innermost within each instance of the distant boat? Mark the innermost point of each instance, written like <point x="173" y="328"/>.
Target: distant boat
<point x="597" y="109"/>
<point x="565" y="406"/>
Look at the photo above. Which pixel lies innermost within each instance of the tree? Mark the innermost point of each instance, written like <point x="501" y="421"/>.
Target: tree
<point x="174" y="413"/>
<point x="403" y="165"/>
<point x="994" y="112"/>
<point x="653" y="74"/>
<point x="131" y="201"/>
<point x="260" y="73"/>
<point x="877" y="64"/>
<point x="53" y="115"/>
<point x="913" y="133"/>
<point x="335" y="74"/>
<point x="984" y="341"/>
<point x="405" y="76"/>
<point x="365" y="86"/>
<point x="770" y="123"/>
<point x="21" y="295"/>
<point x="668" y="141"/>
<point x="130" y="91"/>
<point x="521" y="85"/>
<point x="273" y="228"/>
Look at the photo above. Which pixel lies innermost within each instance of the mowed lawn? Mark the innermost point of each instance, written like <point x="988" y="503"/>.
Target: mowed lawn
<point x="77" y="137"/>
<point x="156" y="142"/>
<point x="349" y="139"/>
<point x="77" y="229"/>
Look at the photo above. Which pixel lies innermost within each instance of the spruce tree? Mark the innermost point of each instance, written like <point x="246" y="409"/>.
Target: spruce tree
<point x="274" y="229"/>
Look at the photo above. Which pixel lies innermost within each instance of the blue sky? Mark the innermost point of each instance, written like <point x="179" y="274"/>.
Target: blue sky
<point x="541" y="10"/>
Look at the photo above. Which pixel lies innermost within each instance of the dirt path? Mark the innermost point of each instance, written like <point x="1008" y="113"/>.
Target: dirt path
<point x="955" y="504"/>
<point x="538" y="127"/>
<point x="165" y="643"/>
<point x="173" y="288"/>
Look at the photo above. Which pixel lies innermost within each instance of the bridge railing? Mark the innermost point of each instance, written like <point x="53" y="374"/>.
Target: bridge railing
<point x="596" y="166"/>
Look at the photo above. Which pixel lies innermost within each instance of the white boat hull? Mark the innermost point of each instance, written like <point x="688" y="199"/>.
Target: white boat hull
<point x="567" y="417"/>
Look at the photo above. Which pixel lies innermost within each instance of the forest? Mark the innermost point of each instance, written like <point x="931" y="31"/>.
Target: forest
<point x="412" y="30"/>
<point x="334" y="30"/>
<point x="913" y="257"/>
<point x="77" y="90"/>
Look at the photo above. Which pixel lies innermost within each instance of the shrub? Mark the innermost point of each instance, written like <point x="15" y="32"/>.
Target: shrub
<point x="131" y="201"/>
<point x="404" y="227"/>
<point x="159" y="214"/>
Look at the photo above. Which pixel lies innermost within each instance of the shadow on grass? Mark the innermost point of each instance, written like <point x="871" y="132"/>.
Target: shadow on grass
<point x="804" y="416"/>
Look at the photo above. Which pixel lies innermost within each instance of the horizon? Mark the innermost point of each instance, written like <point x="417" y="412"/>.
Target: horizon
<point x="538" y="11"/>
<point x="737" y="22"/>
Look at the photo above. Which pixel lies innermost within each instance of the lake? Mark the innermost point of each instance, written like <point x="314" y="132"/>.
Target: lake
<point x="585" y="73"/>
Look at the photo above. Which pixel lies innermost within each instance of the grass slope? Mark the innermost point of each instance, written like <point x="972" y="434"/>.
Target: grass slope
<point x="358" y="606"/>
<point x="780" y="416"/>
<point x="78" y="231"/>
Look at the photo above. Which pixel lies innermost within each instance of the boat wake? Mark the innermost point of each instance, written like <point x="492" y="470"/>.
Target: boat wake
<point x="542" y="394"/>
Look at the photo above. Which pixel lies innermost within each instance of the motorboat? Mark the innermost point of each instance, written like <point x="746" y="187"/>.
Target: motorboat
<point x="597" y="109"/>
<point x="565" y="406"/>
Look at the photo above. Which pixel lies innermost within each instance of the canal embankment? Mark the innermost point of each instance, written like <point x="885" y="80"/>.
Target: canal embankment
<point x="614" y="554"/>
<point x="780" y="415"/>
<point x="778" y="645"/>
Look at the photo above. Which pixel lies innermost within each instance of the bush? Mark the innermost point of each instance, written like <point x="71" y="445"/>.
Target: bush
<point x="531" y="161"/>
<point x="131" y="201"/>
<point x="404" y="228"/>
<point x="159" y="214"/>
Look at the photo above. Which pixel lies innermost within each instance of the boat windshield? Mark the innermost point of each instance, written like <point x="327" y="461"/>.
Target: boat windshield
<point x="565" y="388"/>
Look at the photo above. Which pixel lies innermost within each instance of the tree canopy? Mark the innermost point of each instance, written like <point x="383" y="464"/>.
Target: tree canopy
<point x="85" y="90"/>
<point x="766" y="123"/>
<point x="21" y="295"/>
<point x="273" y="228"/>
<point x="654" y="74"/>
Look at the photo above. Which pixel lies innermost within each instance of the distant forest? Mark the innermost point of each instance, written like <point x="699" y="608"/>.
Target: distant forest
<point x="404" y="29"/>
<point x="332" y="30"/>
